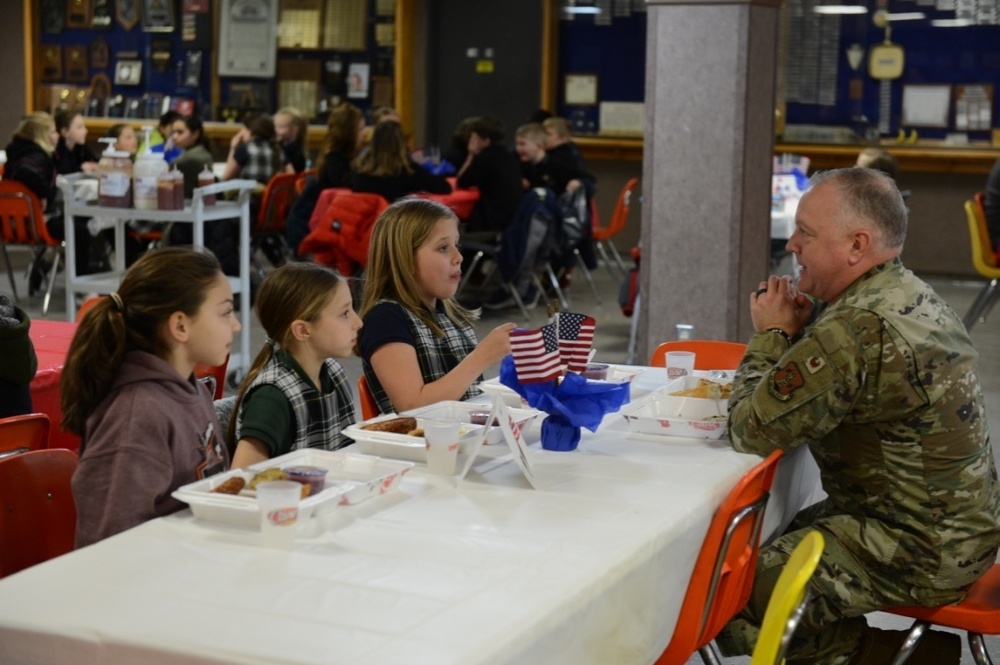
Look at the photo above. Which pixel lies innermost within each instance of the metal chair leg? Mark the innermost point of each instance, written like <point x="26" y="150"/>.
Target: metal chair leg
<point x="554" y="281"/>
<point x="10" y="269"/>
<point x="587" y="276"/>
<point x="978" y="648"/>
<point x="979" y="304"/>
<point x="52" y="281"/>
<point x="472" y="269"/>
<point x="517" y="299"/>
<point x="618" y="258"/>
<point x="910" y="643"/>
<point x="608" y="263"/>
<point x="708" y="654"/>
<point x="633" y="335"/>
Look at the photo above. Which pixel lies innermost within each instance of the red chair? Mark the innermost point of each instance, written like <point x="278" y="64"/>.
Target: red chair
<point x="24" y="433"/>
<point x="302" y="178"/>
<point x="341" y="238"/>
<point x="369" y="407"/>
<point x="709" y="354"/>
<point x="724" y="572"/>
<point x="22" y="222"/>
<point x="37" y="511"/>
<point x="213" y="377"/>
<point x="275" y="202"/>
<point x="977" y="614"/>
<point x="619" y="218"/>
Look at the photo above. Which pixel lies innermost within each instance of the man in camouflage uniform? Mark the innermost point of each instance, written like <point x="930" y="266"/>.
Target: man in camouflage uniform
<point x="877" y="375"/>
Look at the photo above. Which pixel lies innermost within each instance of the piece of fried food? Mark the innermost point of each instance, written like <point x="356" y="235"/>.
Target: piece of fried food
<point x="418" y="432"/>
<point x="402" y="425"/>
<point x="266" y="476"/>
<point x="707" y="390"/>
<point x="233" y="485"/>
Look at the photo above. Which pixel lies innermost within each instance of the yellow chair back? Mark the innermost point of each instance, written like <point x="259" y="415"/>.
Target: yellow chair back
<point x="983" y="258"/>
<point x="788" y="600"/>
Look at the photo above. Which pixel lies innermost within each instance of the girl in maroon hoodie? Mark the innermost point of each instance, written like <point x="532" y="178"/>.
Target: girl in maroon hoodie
<point x="147" y="426"/>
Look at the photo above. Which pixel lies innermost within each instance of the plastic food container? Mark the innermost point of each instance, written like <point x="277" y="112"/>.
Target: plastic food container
<point x="350" y="479"/>
<point x="314" y="476"/>
<point x="660" y="414"/>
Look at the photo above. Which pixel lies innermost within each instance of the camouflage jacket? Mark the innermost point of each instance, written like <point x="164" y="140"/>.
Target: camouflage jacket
<point x="883" y="389"/>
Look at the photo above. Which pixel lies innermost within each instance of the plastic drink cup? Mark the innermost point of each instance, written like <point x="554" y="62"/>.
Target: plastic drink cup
<point x="279" y="512"/>
<point x="679" y="364"/>
<point x="442" y="446"/>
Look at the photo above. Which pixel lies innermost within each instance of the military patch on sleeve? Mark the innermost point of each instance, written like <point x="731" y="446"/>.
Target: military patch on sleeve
<point x="815" y="364"/>
<point x="788" y="379"/>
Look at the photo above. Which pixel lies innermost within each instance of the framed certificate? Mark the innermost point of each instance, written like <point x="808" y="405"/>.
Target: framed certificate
<point x="581" y="89"/>
<point x="128" y="72"/>
<point x="158" y="15"/>
<point x="243" y="27"/>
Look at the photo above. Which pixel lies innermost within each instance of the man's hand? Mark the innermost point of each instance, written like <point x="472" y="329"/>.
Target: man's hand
<point x="778" y="304"/>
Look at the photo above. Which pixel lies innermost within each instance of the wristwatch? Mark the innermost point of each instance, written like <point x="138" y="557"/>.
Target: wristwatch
<point x="779" y="331"/>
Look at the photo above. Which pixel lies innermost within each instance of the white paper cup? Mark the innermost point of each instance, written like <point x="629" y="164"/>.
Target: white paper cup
<point x="279" y="511"/>
<point x="679" y="363"/>
<point x="442" y="446"/>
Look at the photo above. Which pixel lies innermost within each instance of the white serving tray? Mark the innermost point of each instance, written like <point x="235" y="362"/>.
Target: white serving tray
<point x="351" y="478"/>
<point x="661" y="414"/>
<point x="414" y="448"/>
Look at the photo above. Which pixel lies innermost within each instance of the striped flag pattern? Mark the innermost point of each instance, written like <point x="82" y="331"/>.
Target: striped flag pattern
<point x="576" y="337"/>
<point x="536" y="354"/>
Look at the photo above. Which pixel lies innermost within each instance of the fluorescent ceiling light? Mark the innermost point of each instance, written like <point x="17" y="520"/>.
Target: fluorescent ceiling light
<point x="840" y="9"/>
<point x="582" y="10"/>
<point x="907" y="16"/>
<point x="951" y="22"/>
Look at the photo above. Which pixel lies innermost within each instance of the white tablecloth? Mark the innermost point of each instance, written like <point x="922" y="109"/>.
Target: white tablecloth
<point x="589" y="568"/>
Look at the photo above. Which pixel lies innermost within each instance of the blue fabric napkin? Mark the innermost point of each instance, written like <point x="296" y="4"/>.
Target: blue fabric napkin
<point x="575" y="403"/>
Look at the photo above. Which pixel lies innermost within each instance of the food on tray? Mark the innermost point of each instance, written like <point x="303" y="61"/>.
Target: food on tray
<point x="312" y="477"/>
<point x="596" y="371"/>
<point x="418" y="431"/>
<point x="266" y="476"/>
<point x="714" y="419"/>
<point x="480" y="418"/>
<point x="233" y="485"/>
<point x="403" y="425"/>
<point x="707" y="390"/>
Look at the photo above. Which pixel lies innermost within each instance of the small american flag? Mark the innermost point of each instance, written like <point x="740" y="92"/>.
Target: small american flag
<point x="536" y="354"/>
<point x="576" y="337"/>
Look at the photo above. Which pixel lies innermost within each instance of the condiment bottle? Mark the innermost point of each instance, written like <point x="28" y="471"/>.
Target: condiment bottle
<point x="148" y="167"/>
<point x="178" y="190"/>
<point x="114" y="173"/>
<point x="165" y="191"/>
<point x="205" y="178"/>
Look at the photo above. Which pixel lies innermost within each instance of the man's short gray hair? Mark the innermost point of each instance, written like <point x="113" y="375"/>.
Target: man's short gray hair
<point x="872" y="196"/>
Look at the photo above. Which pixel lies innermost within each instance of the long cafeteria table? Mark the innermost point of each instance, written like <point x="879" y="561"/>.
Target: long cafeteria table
<point x="590" y="567"/>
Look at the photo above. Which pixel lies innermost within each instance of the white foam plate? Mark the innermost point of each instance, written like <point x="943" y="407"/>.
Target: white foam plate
<point x="351" y="478"/>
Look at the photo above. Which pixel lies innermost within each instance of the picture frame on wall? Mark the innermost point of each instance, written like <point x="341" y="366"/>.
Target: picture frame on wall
<point x="158" y="15"/>
<point x="99" y="51"/>
<point x="128" y="72"/>
<point x="127" y="13"/>
<point x="76" y="63"/>
<point x="580" y="89"/>
<point x="78" y="14"/>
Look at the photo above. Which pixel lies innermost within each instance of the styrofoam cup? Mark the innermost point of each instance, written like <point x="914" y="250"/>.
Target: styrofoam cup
<point x="679" y="363"/>
<point x="442" y="446"/>
<point x="279" y="511"/>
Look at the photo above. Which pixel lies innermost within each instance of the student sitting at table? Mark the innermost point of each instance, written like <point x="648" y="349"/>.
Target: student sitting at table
<point x="20" y="362"/>
<point x="295" y="395"/>
<point x="559" y="145"/>
<point x="333" y="168"/>
<point x="387" y="169"/>
<point x="539" y="170"/>
<point x="72" y="154"/>
<point x="291" y="127"/>
<point x="495" y="171"/>
<point x="254" y="151"/>
<point x="125" y="138"/>
<point x="188" y="134"/>
<point x="160" y="139"/>
<point x="147" y="426"/>
<point x="30" y="162"/>
<point x="418" y="345"/>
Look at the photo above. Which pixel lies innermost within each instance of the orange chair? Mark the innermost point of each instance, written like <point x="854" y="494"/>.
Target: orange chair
<point x="619" y="218"/>
<point x="709" y="354"/>
<point x="724" y="572"/>
<point x="977" y="614"/>
<point x="369" y="407"/>
<point x="276" y="201"/>
<point x="984" y="261"/>
<point x="23" y="433"/>
<point x="22" y="222"/>
<point x="37" y="512"/>
<point x="302" y="179"/>
<point x="213" y="377"/>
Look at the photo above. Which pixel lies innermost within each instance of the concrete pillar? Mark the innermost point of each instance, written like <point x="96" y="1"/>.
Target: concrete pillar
<point x="709" y="142"/>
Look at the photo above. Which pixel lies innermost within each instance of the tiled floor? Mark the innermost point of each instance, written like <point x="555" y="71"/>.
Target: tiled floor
<point x="612" y="346"/>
